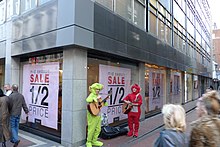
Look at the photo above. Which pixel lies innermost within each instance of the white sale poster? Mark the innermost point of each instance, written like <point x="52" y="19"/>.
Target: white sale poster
<point x="156" y="90"/>
<point x="117" y="80"/>
<point x="40" y="90"/>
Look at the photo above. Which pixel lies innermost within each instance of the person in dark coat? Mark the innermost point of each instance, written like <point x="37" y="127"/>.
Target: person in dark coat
<point x="206" y="129"/>
<point x="175" y="124"/>
<point x="4" y="119"/>
<point x="17" y="102"/>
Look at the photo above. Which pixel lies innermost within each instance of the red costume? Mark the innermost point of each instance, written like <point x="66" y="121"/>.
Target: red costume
<point x="134" y="115"/>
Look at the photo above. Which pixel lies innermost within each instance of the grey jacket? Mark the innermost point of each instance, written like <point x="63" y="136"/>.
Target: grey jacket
<point x="171" y="138"/>
<point x="17" y="102"/>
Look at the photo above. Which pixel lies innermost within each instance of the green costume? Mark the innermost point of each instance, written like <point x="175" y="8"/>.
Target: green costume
<point x="94" y="122"/>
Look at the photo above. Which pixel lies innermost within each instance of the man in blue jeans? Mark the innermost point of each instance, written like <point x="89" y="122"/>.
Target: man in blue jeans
<point x="17" y="102"/>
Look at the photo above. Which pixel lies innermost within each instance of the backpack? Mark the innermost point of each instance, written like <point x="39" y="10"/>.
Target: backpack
<point x="108" y="132"/>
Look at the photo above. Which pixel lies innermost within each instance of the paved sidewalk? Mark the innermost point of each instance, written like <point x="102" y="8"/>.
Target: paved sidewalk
<point x="146" y="135"/>
<point x="146" y="139"/>
<point x="31" y="140"/>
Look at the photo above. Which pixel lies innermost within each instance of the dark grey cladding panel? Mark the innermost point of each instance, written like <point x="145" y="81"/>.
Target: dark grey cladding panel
<point x="136" y="53"/>
<point x="108" y="24"/>
<point x="35" y="22"/>
<point x="109" y="45"/>
<point x="40" y="42"/>
<point x="135" y="36"/>
<point x="179" y="57"/>
<point x="187" y="61"/>
<point x="114" y="35"/>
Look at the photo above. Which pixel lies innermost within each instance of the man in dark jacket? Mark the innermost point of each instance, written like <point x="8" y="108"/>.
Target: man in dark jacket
<point x="17" y="102"/>
<point x="4" y="119"/>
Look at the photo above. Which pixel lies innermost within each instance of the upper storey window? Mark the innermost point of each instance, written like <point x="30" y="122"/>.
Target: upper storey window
<point x="27" y="5"/>
<point x="132" y="10"/>
<point x="2" y="11"/>
<point x="40" y="2"/>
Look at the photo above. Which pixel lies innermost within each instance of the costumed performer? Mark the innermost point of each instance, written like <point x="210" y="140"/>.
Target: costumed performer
<point x="94" y="121"/>
<point x="135" y="100"/>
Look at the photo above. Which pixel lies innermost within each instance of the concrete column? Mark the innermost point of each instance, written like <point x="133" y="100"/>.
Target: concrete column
<point x="15" y="71"/>
<point x="142" y="85"/>
<point x="74" y="92"/>
<point x="167" y="98"/>
<point x="183" y="87"/>
<point x="11" y="63"/>
<point x="8" y="53"/>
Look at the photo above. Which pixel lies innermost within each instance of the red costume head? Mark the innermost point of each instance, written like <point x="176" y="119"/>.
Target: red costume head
<point x="135" y="89"/>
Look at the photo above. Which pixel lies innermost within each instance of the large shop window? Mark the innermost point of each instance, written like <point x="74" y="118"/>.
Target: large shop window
<point x="175" y="93"/>
<point x="195" y="87"/>
<point x="42" y="89"/>
<point x="117" y="77"/>
<point x="188" y="87"/>
<point x="154" y="87"/>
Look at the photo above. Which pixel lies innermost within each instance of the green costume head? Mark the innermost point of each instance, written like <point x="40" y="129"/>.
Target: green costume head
<point x="94" y="87"/>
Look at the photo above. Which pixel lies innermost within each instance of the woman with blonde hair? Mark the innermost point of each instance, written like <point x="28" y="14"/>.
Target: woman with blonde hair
<point x="206" y="129"/>
<point x="175" y="126"/>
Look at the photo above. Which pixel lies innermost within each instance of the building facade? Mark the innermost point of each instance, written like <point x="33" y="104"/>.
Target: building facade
<point x="216" y="55"/>
<point x="55" y="49"/>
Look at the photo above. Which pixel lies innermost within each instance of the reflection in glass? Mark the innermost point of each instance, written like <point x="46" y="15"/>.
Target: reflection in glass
<point x="107" y="3"/>
<point x="153" y="22"/>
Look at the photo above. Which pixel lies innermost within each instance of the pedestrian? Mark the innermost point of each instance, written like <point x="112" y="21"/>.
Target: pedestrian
<point x="175" y="125"/>
<point x="17" y="102"/>
<point x="4" y="119"/>
<point x="134" y="101"/>
<point x="94" y="121"/>
<point x="206" y="129"/>
<point x="8" y="90"/>
<point x="211" y="87"/>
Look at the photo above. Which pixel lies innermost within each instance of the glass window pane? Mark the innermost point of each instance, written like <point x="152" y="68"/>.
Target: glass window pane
<point x="154" y="2"/>
<point x="152" y="9"/>
<point x="180" y="43"/>
<point x="2" y="11"/>
<point x="189" y="87"/>
<point x="190" y="28"/>
<point x="153" y="24"/>
<point x="168" y="34"/>
<point x="178" y="14"/>
<point x="27" y="5"/>
<point x="106" y="3"/>
<point x="124" y="8"/>
<point x="139" y="14"/>
<point x="147" y="89"/>
<point x="9" y="8"/>
<point x="176" y="40"/>
<point x="43" y="1"/>
<point x="168" y="16"/>
<point x="161" y="30"/>
<point x="162" y="10"/>
<point x="166" y="4"/>
<point x="16" y="7"/>
<point x="142" y="1"/>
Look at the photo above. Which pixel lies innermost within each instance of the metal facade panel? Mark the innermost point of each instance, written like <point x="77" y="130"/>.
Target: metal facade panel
<point x="141" y="46"/>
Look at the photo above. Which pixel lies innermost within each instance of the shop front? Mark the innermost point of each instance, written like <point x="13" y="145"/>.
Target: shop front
<point x="155" y="87"/>
<point x="116" y="76"/>
<point x="42" y="88"/>
<point x="175" y="93"/>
